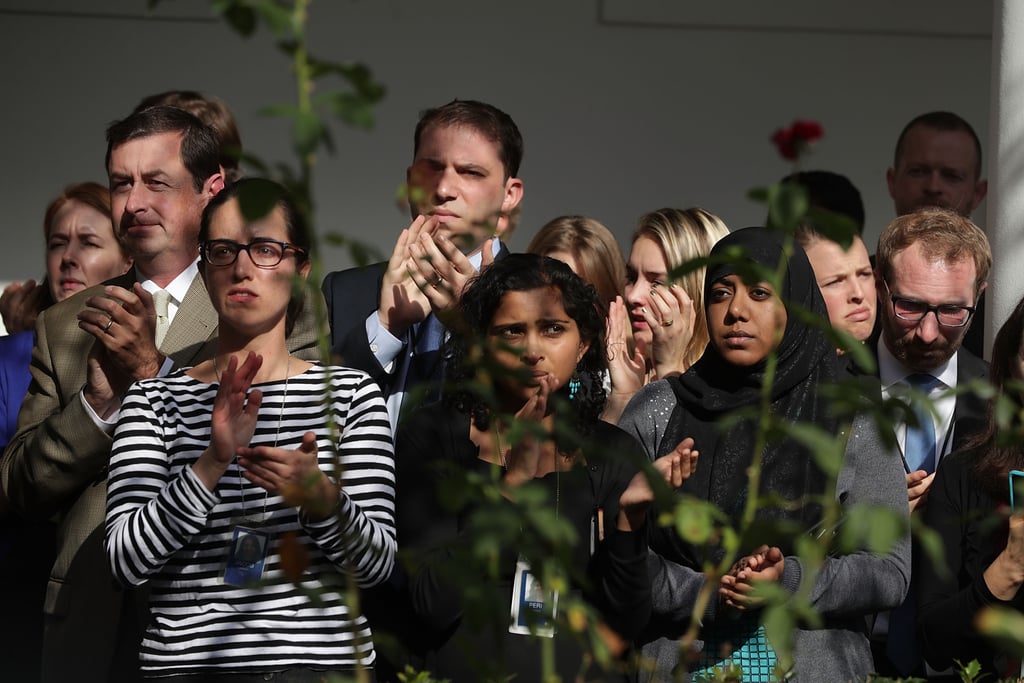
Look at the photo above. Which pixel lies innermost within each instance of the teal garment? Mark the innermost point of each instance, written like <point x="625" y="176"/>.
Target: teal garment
<point x="739" y="642"/>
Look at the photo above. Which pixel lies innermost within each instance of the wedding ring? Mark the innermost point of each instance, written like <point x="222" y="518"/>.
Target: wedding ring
<point x="110" y="322"/>
<point x="437" y="280"/>
<point x="667" y="323"/>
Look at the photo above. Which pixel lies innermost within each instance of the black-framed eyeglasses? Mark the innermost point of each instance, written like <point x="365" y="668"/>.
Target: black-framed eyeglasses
<point x="264" y="253"/>
<point x="914" y="311"/>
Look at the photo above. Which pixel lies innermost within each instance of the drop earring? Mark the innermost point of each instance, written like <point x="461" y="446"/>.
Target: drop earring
<point x="574" y="385"/>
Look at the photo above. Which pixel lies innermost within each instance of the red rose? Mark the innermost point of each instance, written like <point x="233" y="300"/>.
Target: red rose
<point x="793" y="141"/>
<point x="783" y="139"/>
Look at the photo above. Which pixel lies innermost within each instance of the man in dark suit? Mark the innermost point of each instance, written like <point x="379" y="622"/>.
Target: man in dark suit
<point x="932" y="267"/>
<point x="163" y="165"/>
<point x="462" y="187"/>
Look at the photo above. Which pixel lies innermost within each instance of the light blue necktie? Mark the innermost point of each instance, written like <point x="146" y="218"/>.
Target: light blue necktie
<point x="919" y="451"/>
<point x="919" y="447"/>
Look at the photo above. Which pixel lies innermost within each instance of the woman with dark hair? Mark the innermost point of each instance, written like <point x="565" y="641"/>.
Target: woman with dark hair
<point x="983" y="537"/>
<point x="257" y="444"/>
<point x="526" y="359"/>
<point x="752" y="316"/>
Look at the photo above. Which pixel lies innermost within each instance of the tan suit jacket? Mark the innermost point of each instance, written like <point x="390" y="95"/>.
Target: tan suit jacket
<point x="56" y="466"/>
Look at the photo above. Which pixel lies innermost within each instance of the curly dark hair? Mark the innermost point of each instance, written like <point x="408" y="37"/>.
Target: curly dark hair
<point x="471" y="366"/>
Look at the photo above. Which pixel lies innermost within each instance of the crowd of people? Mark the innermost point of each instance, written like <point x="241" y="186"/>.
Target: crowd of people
<point x="475" y="482"/>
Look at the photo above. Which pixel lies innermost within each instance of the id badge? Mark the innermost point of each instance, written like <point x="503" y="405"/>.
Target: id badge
<point x="247" y="556"/>
<point x="529" y="603"/>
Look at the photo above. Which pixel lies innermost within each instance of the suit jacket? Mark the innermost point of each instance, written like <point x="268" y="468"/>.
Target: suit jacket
<point x="352" y="295"/>
<point x="56" y="466"/>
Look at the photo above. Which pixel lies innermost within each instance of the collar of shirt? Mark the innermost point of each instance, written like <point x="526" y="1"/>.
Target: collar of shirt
<point x="891" y="371"/>
<point x="477" y="257"/>
<point x="177" y="288"/>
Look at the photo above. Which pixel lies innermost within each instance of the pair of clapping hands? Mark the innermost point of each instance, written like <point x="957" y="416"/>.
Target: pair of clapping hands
<point x="426" y="272"/>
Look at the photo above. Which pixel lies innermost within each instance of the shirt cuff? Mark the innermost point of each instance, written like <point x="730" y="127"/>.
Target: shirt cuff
<point x="105" y="426"/>
<point x="384" y="346"/>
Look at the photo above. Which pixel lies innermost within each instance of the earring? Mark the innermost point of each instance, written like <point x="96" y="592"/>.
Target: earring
<point x="574" y="385"/>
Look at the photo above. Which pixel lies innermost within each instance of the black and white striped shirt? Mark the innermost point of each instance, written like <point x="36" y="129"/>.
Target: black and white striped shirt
<point x="165" y="528"/>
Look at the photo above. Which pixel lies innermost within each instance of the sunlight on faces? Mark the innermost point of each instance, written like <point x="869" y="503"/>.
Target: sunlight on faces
<point x="646" y="269"/>
<point x="458" y="177"/>
<point x="925" y="345"/>
<point x="745" y="321"/>
<point x="81" y="250"/>
<point x="249" y="299"/>
<point x="847" y="284"/>
<point x="936" y="168"/>
<point x="155" y="205"/>
<point x="532" y="336"/>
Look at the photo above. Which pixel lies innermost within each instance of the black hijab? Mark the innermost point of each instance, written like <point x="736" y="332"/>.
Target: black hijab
<point x="713" y="387"/>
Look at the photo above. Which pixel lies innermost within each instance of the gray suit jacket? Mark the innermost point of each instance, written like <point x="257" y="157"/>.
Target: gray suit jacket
<point x="56" y="465"/>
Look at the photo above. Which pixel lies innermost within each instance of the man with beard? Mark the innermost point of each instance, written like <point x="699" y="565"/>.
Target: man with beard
<point x="932" y="267"/>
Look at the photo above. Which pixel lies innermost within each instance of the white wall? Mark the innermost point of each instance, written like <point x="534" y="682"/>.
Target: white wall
<point x="623" y="107"/>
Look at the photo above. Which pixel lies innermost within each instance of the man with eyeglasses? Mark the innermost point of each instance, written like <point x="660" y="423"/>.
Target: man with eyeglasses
<point x="932" y="267"/>
<point x="164" y="166"/>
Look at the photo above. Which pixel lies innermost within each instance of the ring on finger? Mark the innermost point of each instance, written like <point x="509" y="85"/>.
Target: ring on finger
<point x="437" y="280"/>
<point x="106" y="328"/>
<point x="668" y="323"/>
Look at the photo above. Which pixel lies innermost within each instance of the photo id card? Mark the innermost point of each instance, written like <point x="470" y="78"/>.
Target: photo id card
<point x="529" y="603"/>
<point x="246" y="557"/>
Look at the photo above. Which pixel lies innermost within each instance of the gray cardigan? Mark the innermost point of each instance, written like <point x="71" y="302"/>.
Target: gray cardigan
<point x="847" y="589"/>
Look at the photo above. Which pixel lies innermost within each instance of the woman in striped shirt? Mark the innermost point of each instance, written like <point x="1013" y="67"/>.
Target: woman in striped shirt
<point x="249" y="491"/>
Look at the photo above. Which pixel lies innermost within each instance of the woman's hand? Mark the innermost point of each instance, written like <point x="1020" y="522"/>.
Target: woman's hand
<point x="233" y="421"/>
<point x="676" y="467"/>
<point x="294" y="474"/>
<point x="524" y="457"/>
<point x="1006" y="573"/>
<point x="672" y="327"/>
<point x="764" y="564"/>
<point x="627" y="373"/>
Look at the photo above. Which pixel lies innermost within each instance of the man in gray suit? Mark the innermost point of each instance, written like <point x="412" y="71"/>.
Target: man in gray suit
<point x="163" y="166"/>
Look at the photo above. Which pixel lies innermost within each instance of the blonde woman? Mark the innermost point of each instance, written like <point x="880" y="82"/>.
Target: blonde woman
<point x="664" y="314"/>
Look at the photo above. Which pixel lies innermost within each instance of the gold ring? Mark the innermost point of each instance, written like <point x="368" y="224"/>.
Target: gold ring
<point x="109" y="323"/>
<point x="667" y="323"/>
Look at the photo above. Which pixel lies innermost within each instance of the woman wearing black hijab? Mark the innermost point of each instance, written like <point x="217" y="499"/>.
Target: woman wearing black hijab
<point x="749" y="320"/>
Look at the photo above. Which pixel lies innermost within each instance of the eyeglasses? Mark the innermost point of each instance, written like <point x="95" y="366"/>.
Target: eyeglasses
<point x="264" y="253"/>
<point x="914" y="311"/>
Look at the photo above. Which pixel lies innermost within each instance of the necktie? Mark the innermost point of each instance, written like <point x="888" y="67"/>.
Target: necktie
<point x="919" y="451"/>
<point x="920" y="440"/>
<point x="426" y="368"/>
<point x="163" y="318"/>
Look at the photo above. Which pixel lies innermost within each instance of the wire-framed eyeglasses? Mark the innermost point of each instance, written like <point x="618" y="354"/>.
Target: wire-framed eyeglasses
<point x="264" y="253"/>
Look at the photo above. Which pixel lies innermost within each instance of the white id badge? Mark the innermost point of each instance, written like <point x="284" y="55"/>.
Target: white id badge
<point x="246" y="557"/>
<point x="529" y="603"/>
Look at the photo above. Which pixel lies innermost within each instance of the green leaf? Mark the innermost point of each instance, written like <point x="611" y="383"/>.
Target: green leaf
<point x="258" y="198"/>
<point x="240" y="17"/>
<point x="826" y="448"/>
<point x="837" y="227"/>
<point x="276" y="16"/>
<point x="758" y="194"/>
<point x="1005" y="626"/>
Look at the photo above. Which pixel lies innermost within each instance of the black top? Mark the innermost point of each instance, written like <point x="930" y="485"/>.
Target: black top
<point x="973" y="531"/>
<point x="467" y="619"/>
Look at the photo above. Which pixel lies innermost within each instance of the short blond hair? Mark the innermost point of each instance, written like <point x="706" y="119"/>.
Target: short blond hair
<point x="943" y="235"/>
